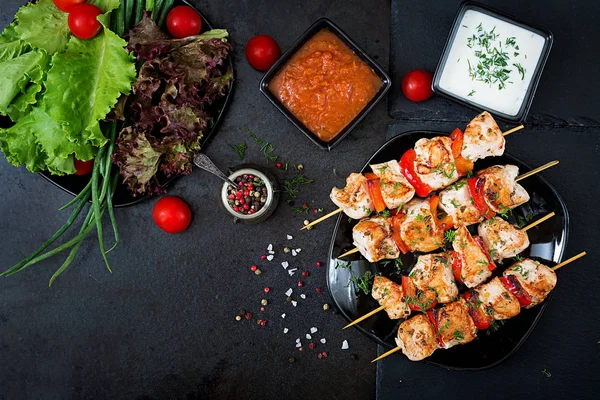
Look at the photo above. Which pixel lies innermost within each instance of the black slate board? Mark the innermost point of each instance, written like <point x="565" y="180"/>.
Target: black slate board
<point x="568" y="83"/>
<point x="566" y="340"/>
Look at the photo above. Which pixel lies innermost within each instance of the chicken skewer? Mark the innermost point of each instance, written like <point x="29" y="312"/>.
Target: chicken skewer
<point x="431" y="165"/>
<point x="525" y="284"/>
<point x="493" y="190"/>
<point x="471" y="266"/>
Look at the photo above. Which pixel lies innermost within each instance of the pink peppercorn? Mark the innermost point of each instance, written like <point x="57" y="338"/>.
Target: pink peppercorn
<point x="318" y="263"/>
<point x="248" y="315"/>
<point x="311" y="346"/>
<point x="263" y="322"/>
<point x="253" y="268"/>
<point x="267" y="290"/>
<point x="300" y="283"/>
<point x="320" y="355"/>
<point x="263" y="257"/>
<point x="278" y="165"/>
<point x="325" y="354"/>
<point x="305" y="273"/>
<point x="319" y="290"/>
<point x="236" y="208"/>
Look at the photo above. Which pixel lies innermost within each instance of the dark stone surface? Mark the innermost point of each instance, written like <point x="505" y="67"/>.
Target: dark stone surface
<point x="161" y="326"/>
<point x="567" y="90"/>
<point x="565" y="342"/>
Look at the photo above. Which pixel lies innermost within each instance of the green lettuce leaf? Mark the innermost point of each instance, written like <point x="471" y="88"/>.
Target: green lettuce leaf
<point x="43" y="26"/>
<point x="16" y="74"/>
<point x="85" y="82"/>
<point x="11" y="45"/>
<point x="105" y="5"/>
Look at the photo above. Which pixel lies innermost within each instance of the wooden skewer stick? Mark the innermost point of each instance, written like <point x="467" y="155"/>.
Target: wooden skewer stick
<point x="384" y="355"/>
<point x="516" y="128"/>
<point x="535" y="171"/>
<point x="562" y="264"/>
<point x="356" y="321"/>
<point x="354" y="250"/>
<point x="570" y="260"/>
<point x="539" y="221"/>
<point x="323" y="218"/>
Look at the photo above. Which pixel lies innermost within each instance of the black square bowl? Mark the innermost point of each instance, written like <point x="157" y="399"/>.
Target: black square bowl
<point x="528" y="99"/>
<point x="325" y="23"/>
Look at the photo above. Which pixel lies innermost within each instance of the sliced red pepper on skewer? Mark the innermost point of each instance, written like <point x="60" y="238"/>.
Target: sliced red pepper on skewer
<point x="456" y="266"/>
<point x="432" y="315"/>
<point x="479" y="241"/>
<point x="476" y="187"/>
<point x="374" y="191"/>
<point x="396" y="227"/>
<point x="415" y="299"/>
<point x="407" y="165"/>
<point x="462" y="164"/>
<point x="443" y="223"/>
<point x="481" y="319"/>
<point x="511" y="283"/>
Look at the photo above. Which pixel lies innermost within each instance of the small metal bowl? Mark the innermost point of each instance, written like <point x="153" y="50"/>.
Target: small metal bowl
<point x="272" y="194"/>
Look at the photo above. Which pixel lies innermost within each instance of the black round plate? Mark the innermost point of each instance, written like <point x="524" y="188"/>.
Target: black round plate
<point x="548" y="241"/>
<point x="73" y="184"/>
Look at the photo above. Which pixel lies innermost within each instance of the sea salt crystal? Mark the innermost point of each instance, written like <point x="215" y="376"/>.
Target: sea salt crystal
<point x="270" y="247"/>
<point x="283" y="315"/>
<point x="308" y="336"/>
<point x="294" y="253"/>
<point x="303" y="295"/>
<point x="271" y="252"/>
<point x="294" y="303"/>
<point x="270" y="257"/>
<point x="313" y="329"/>
<point x="298" y="250"/>
<point x="289" y="237"/>
<point x="292" y="271"/>
<point x="345" y="345"/>
<point x="323" y="341"/>
<point x="285" y="330"/>
<point x="297" y="340"/>
<point x="289" y="292"/>
<point x="285" y="264"/>
<point x="298" y="344"/>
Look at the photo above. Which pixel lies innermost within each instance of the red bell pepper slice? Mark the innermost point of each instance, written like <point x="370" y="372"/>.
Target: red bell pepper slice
<point x="413" y="295"/>
<point x="407" y="165"/>
<point x="479" y="241"/>
<point x="443" y="223"/>
<point x="462" y="164"/>
<point x="476" y="186"/>
<point x="396" y="228"/>
<point x="511" y="283"/>
<point x="432" y="315"/>
<point x="456" y="266"/>
<point x="481" y="319"/>
<point x="374" y="191"/>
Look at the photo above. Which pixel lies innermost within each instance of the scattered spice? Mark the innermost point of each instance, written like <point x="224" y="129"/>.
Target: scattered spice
<point x="325" y="306"/>
<point x="263" y="322"/>
<point x="266" y="148"/>
<point x="258" y="272"/>
<point x="264" y="302"/>
<point x="253" y="268"/>
<point x="238" y="317"/>
<point x="286" y="250"/>
<point x="267" y="290"/>
<point x="318" y="264"/>
<point x="263" y="257"/>
<point x="262" y="309"/>
<point x="248" y="316"/>
<point x="300" y="283"/>
<point x="305" y="273"/>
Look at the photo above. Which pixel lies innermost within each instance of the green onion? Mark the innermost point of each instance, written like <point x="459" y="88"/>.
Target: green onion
<point x="128" y="14"/>
<point x="84" y="192"/>
<point x="139" y="11"/>
<point x="96" y="205"/>
<point x="164" y="11"/>
<point x="157" y="9"/>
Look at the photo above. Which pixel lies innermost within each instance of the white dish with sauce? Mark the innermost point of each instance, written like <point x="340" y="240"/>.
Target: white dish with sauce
<point x="492" y="62"/>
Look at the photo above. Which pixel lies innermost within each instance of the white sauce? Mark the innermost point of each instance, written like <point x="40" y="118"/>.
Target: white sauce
<point x="521" y="47"/>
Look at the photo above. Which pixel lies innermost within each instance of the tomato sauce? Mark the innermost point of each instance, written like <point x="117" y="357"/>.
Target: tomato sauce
<point x="325" y="85"/>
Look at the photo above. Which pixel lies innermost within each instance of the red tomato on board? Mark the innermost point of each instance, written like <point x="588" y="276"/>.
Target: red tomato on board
<point x="171" y="214"/>
<point x="262" y="51"/>
<point x="183" y="21"/>
<point x="67" y="5"/>
<point x="83" y="167"/>
<point x="416" y="85"/>
<point x="83" y="22"/>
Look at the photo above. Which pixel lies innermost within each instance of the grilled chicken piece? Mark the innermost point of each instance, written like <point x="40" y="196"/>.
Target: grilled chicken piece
<point x="455" y="324"/>
<point x="373" y="237"/>
<point x="456" y="201"/>
<point x="416" y="337"/>
<point x="497" y="300"/>
<point x="353" y="198"/>
<point x="501" y="192"/>
<point x="474" y="261"/>
<point x="537" y="279"/>
<point x="390" y="295"/>
<point x="482" y="138"/>
<point x="434" y="163"/>
<point x="395" y="189"/>
<point x="502" y="239"/>
<point x="418" y="230"/>
<point x="432" y="273"/>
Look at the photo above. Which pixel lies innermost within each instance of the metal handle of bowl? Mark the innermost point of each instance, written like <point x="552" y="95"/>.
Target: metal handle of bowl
<point x="203" y="162"/>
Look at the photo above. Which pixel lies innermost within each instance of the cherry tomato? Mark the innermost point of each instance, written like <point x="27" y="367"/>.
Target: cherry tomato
<point x="67" y="5"/>
<point x="262" y="51"/>
<point x="83" y="167"/>
<point x="416" y="85"/>
<point x="83" y="22"/>
<point x="171" y="214"/>
<point x="183" y="21"/>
